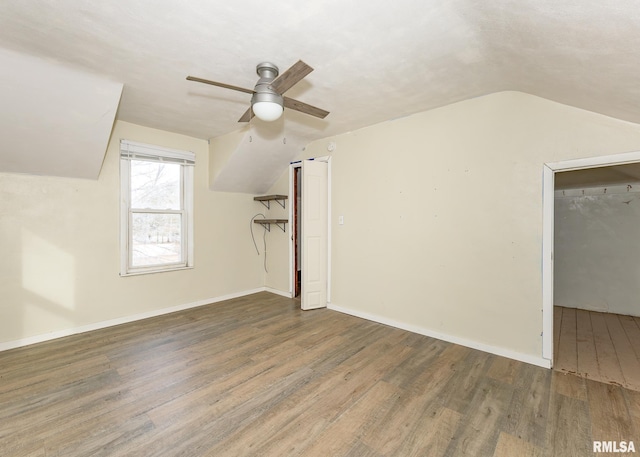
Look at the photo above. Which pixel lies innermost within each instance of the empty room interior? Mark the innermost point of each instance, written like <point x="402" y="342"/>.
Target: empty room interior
<point x="330" y="229"/>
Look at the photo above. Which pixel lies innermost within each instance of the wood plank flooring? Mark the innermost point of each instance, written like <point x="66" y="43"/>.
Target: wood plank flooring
<point x="256" y="376"/>
<point x="599" y="346"/>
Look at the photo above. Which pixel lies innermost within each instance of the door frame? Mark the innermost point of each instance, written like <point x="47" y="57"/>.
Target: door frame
<point x="295" y="221"/>
<point x="548" y="208"/>
<point x="292" y="193"/>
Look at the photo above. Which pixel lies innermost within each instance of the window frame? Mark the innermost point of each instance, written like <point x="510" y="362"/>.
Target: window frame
<point x="129" y="151"/>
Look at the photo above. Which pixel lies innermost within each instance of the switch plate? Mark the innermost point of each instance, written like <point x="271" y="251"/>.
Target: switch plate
<point x="341" y="220"/>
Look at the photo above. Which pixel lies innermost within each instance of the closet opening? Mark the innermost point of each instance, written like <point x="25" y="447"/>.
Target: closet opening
<point x="591" y="313"/>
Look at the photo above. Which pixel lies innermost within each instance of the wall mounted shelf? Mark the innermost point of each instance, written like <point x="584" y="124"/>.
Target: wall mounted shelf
<point x="267" y="199"/>
<point x="266" y="223"/>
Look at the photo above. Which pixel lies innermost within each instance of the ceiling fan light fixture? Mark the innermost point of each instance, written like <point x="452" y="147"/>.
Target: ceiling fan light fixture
<point x="267" y="111"/>
<point x="267" y="106"/>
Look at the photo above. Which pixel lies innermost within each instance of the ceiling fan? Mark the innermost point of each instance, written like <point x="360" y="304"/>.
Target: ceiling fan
<point x="267" y="101"/>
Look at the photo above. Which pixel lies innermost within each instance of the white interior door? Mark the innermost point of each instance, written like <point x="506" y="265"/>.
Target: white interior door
<point x="315" y="234"/>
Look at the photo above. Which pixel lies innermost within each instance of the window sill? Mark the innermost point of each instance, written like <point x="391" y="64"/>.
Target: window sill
<point x="149" y="272"/>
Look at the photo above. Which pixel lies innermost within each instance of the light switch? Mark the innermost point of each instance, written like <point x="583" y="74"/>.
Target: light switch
<point x="341" y="220"/>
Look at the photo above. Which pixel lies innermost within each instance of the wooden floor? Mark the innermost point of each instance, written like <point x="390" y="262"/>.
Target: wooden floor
<point x="604" y="347"/>
<point x="255" y="376"/>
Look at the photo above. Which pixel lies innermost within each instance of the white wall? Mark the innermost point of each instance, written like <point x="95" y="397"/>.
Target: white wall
<point x="59" y="267"/>
<point x="443" y="214"/>
<point x="597" y="253"/>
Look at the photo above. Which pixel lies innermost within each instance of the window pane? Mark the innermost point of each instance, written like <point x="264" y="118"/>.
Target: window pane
<point x="156" y="239"/>
<point x="155" y="185"/>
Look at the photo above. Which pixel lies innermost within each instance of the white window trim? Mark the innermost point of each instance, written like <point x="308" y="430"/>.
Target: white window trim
<point x="130" y="150"/>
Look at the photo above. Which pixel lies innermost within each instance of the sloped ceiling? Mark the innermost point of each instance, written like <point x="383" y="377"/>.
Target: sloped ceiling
<point x="257" y="159"/>
<point x="373" y="60"/>
<point x="53" y="120"/>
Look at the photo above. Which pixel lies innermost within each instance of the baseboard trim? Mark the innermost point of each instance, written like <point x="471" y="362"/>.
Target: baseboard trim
<point x="538" y="361"/>
<point x="124" y="320"/>
<point x="278" y="292"/>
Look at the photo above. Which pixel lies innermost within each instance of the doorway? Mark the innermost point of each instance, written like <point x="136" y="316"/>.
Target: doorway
<point x="596" y="266"/>
<point x="310" y="232"/>
<point x="296" y="229"/>
<point x="595" y="169"/>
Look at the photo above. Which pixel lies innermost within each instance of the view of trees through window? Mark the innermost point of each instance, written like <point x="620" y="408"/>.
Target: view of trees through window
<point x="156" y="217"/>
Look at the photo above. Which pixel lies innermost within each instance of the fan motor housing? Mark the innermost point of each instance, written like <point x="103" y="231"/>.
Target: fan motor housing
<point x="263" y="91"/>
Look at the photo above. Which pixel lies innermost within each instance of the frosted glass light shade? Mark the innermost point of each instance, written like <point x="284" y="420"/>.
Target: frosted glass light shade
<point x="267" y="111"/>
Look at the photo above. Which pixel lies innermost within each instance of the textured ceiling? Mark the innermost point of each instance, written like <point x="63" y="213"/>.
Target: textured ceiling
<point x="373" y="60"/>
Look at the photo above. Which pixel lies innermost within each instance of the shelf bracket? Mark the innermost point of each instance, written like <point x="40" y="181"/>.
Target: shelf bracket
<point x="267" y="199"/>
<point x="266" y="223"/>
<point x="281" y="202"/>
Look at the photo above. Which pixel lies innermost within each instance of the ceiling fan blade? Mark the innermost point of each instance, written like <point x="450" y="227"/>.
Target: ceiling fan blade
<point x="304" y="108"/>
<point x="246" y="117"/>
<point x="294" y="74"/>
<point x="214" y="83"/>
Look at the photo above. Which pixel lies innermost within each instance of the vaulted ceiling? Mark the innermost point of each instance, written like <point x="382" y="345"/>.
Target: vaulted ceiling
<point x="373" y="60"/>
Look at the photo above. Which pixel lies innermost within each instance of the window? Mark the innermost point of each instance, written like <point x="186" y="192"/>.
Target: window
<point x="156" y="208"/>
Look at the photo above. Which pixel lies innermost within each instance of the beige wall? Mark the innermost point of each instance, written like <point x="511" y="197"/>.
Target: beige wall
<point x="443" y="214"/>
<point x="59" y="238"/>
<point x="277" y="277"/>
<point x="443" y="226"/>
